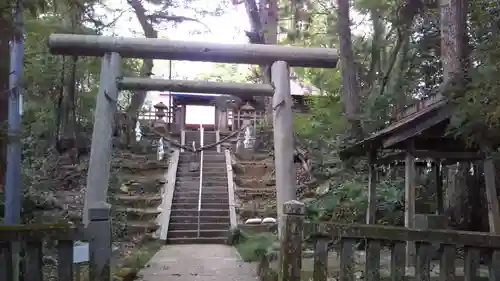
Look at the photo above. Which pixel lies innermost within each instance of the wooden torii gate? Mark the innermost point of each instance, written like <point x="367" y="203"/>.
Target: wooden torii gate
<point x="113" y="49"/>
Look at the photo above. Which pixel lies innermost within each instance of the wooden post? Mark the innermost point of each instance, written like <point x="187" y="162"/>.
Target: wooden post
<point x="238" y="121"/>
<point x="493" y="210"/>
<point x="100" y="152"/>
<point x="216" y="118"/>
<point x="183" y="116"/>
<point x="371" y="210"/>
<point x="217" y="139"/>
<point x="491" y="195"/>
<point x="438" y="178"/>
<point x="99" y="236"/>
<point x="410" y="204"/>
<point x="223" y="121"/>
<point x="292" y="228"/>
<point x="183" y="138"/>
<point x="283" y="136"/>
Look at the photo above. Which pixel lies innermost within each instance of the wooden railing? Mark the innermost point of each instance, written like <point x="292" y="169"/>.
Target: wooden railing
<point x="344" y="238"/>
<point x="34" y="240"/>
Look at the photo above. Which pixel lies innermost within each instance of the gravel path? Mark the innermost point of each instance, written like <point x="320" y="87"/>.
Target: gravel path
<point x="197" y="263"/>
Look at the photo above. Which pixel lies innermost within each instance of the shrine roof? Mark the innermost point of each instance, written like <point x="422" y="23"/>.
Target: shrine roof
<point x="406" y="128"/>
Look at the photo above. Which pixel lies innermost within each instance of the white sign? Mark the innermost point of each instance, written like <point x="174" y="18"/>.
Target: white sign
<point x="80" y="252"/>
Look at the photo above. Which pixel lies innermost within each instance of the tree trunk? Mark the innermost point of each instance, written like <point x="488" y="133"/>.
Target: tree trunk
<point x="376" y="49"/>
<point x="66" y="131"/>
<point x="263" y="30"/>
<point x="350" y="91"/>
<point x="139" y="97"/>
<point x="269" y="18"/>
<point x="454" y="59"/>
<point x="5" y="36"/>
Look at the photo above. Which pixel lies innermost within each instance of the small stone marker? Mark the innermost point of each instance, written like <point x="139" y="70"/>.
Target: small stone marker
<point x="80" y="252"/>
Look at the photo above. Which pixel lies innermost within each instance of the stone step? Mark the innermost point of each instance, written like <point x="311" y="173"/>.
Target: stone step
<point x="214" y="154"/>
<point x="219" y="163"/>
<point x="214" y="164"/>
<point x="210" y="161"/>
<point x="215" y="167"/>
<point x="214" y="173"/>
<point x="203" y="226"/>
<point x="187" y="194"/>
<point x="194" y="219"/>
<point x="139" y="227"/>
<point x="212" y="180"/>
<point x="200" y="240"/>
<point x="205" y="188"/>
<point x="151" y="186"/>
<point x="194" y="233"/>
<point x="207" y="155"/>
<point x="148" y="214"/>
<point x="206" y="168"/>
<point x="138" y="201"/>
<point x="187" y="184"/>
<point x="181" y="174"/>
<point x="194" y="200"/>
<point x="194" y="206"/>
<point x="187" y="179"/>
<point x="203" y="212"/>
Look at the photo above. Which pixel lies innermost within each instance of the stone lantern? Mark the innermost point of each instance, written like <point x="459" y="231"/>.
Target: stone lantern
<point x="159" y="123"/>
<point x="160" y="110"/>
<point x="246" y="115"/>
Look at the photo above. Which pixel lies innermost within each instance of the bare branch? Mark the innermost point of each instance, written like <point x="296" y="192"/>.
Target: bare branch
<point x="173" y="18"/>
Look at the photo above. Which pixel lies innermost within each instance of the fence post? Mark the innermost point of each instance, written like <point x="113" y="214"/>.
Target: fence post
<point x="291" y="241"/>
<point x="99" y="236"/>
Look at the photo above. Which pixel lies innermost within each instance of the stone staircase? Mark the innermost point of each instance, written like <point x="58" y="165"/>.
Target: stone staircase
<point x="139" y="197"/>
<point x="210" y="137"/>
<point x="210" y="224"/>
<point x="192" y="136"/>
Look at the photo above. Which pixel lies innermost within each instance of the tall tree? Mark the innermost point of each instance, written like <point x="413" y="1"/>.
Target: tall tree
<point x="454" y="57"/>
<point x="350" y="86"/>
<point x="66" y="115"/>
<point x="139" y="97"/>
<point x="263" y="18"/>
<point x="148" y="20"/>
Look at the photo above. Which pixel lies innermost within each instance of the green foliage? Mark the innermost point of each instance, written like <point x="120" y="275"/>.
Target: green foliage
<point x="43" y="86"/>
<point x="477" y="115"/>
<point x="346" y="202"/>
<point x="227" y="73"/>
<point x="253" y="247"/>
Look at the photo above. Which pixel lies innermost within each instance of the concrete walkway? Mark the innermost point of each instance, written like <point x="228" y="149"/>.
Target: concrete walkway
<point x="197" y="263"/>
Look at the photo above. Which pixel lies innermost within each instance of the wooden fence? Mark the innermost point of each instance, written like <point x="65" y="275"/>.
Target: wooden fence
<point x="344" y="238"/>
<point x="35" y="239"/>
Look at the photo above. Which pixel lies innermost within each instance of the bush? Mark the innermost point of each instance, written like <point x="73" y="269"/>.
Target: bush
<point x="346" y="202"/>
<point x="253" y="247"/>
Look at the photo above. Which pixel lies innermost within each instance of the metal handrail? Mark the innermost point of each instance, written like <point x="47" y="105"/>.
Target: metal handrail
<point x="201" y="177"/>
